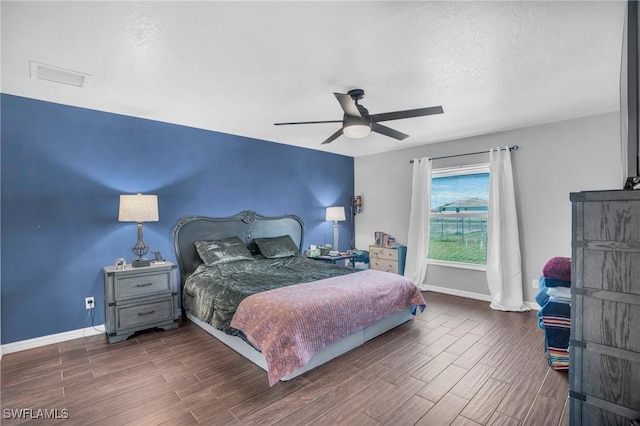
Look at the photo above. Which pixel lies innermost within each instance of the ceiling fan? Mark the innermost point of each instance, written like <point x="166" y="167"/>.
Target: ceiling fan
<point x="358" y="123"/>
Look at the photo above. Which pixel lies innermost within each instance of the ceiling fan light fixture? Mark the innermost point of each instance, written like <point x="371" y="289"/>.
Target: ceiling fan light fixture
<point x="356" y="131"/>
<point x="357" y="123"/>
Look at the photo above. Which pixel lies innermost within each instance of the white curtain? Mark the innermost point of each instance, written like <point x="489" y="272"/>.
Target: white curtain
<point x="504" y="267"/>
<point x="418" y="241"/>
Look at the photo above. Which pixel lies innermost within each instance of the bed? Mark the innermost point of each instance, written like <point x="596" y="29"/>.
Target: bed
<point x="274" y="306"/>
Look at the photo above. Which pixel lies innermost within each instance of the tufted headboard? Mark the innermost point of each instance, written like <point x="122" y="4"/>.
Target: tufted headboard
<point x="247" y="225"/>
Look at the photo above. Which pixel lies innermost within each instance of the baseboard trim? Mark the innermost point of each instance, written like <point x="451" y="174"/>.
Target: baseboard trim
<point x="50" y="339"/>
<point x="469" y="295"/>
<point x="459" y="293"/>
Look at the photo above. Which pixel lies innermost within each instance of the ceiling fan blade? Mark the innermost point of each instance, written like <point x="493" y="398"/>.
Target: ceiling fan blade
<point x="410" y="113"/>
<point x="333" y="137"/>
<point x="388" y="131"/>
<point x="308" y="122"/>
<point x="348" y="104"/>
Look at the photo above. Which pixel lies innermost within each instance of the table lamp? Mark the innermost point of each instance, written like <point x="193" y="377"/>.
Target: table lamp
<point x="139" y="208"/>
<point x="335" y="214"/>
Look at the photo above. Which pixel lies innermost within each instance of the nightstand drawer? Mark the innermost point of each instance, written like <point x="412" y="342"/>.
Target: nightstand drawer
<point x="384" y="265"/>
<point x="383" y="253"/>
<point x="143" y="314"/>
<point x="142" y="285"/>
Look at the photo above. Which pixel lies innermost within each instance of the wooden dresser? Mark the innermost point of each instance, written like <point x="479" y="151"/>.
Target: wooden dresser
<point x="604" y="371"/>
<point x="387" y="259"/>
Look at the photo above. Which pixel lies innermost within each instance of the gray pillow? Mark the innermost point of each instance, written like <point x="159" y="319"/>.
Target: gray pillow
<point x="215" y="252"/>
<point x="275" y="247"/>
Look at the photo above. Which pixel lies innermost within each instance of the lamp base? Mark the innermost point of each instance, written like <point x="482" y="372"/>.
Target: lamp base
<point x="139" y="263"/>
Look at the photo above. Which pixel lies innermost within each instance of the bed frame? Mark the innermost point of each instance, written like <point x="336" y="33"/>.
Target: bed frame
<point x="249" y="225"/>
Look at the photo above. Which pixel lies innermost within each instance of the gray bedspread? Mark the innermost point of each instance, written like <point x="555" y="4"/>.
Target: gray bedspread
<point x="213" y="293"/>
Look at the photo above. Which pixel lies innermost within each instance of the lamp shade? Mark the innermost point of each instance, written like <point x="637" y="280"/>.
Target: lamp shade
<point x="335" y="214"/>
<point x="138" y="208"/>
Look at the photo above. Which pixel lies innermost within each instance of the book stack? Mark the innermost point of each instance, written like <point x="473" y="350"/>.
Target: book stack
<point x="383" y="239"/>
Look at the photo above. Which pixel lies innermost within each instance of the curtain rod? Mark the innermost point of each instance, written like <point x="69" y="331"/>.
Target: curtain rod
<point x="511" y="148"/>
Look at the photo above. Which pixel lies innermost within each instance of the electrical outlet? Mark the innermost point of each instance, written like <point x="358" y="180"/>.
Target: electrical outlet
<point x="535" y="283"/>
<point x="89" y="303"/>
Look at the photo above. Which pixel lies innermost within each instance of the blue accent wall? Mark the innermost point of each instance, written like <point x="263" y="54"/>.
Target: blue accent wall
<point x="63" y="169"/>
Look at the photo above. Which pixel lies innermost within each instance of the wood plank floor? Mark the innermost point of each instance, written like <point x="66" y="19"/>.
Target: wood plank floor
<point x="459" y="363"/>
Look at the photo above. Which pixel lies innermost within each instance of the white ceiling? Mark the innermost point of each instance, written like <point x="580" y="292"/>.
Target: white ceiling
<point x="238" y="67"/>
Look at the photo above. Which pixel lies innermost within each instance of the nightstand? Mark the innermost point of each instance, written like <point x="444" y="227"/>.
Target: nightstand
<point x="140" y="298"/>
<point x="334" y="259"/>
<point x="388" y="259"/>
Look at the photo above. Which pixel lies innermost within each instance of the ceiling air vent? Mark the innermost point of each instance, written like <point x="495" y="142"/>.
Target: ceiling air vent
<point x="57" y="75"/>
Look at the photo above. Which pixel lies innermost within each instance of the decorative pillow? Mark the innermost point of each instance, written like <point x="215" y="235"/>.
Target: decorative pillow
<point x="228" y="250"/>
<point x="274" y="247"/>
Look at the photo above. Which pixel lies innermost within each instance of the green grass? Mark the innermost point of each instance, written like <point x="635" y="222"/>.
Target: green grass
<point x="452" y="248"/>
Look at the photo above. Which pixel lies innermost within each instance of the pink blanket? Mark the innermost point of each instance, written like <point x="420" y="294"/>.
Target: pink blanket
<point x="291" y="324"/>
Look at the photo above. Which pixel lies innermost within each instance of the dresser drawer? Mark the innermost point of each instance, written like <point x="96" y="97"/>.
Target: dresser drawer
<point x="611" y="221"/>
<point x="144" y="314"/>
<point x="612" y="323"/>
<point x="127" y="287"/>
<point x="376" y="252"/>
<point x="384" y="265"/>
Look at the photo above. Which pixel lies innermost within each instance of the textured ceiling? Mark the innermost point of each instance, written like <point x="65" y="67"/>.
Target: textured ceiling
<point x="238" y="67"/>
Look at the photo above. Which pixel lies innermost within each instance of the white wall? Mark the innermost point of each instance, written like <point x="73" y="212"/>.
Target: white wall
<point x="553" y="160"/>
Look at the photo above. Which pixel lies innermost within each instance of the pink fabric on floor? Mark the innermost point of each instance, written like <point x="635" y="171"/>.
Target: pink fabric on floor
<point x="291" y="324"/>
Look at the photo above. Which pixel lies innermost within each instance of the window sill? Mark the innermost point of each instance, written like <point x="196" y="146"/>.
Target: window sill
<point x="459" y="265"/>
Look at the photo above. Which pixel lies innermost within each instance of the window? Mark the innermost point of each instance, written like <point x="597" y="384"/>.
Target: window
<point x="458" y="217"/>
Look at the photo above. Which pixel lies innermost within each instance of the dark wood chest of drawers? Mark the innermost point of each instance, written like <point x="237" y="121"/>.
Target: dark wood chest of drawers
<point x="604" y="372"/>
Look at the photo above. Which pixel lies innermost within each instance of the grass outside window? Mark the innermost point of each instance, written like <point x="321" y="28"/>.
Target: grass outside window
<point x="458" y="239"/>
<point x="458" y="216"/>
